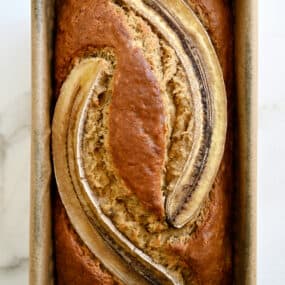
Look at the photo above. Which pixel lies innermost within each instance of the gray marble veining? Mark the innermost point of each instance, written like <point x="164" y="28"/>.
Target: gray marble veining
<point x="15" y="110"/>
<point x="14" y="184"/>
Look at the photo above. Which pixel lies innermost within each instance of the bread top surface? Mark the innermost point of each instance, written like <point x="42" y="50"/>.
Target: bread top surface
<point x="86" y="24"/>
<point x="136" y="146"/>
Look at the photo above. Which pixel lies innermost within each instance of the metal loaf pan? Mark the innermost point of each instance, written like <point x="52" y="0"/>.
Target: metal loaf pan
<point x="41" y="258"/>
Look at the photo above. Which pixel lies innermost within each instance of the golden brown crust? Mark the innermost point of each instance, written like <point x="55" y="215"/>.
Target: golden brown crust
<point x="74" y="263"/>
<point x="136" y="147"/>
<point x="208" y="253"/>
<point x="217" y="18"/>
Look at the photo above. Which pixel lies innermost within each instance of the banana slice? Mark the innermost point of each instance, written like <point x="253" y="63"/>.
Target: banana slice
<point x="192" y="46"/>
<point x="83" y="85"/>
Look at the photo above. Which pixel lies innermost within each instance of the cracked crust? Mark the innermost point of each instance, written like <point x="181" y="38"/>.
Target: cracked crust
<point x="204" y="256"/>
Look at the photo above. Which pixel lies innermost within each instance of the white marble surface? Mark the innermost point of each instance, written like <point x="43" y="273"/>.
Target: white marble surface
<point x="14" y="140"/>
<point x="271" y="150"/>
<point x="15" y="150"/>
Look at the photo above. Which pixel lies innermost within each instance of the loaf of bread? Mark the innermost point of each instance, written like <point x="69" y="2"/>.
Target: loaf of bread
<point x="137" y="143"/>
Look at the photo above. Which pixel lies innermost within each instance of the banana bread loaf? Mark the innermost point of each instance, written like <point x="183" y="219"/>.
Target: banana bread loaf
<point x="137" y="138"/>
